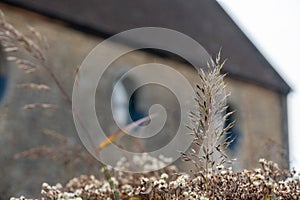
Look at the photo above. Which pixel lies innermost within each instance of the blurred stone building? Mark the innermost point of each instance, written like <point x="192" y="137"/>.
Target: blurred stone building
<point x="74" y="28"/>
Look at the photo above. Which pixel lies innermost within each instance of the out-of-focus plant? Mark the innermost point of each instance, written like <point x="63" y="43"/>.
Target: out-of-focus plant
<point x="29" y="53"/>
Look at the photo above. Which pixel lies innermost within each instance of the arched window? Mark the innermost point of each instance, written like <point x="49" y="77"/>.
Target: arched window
<point x="120" y="104"/>
<point x="123" y="104"/>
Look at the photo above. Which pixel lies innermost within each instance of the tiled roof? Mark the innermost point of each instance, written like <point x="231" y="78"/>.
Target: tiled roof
<point x="203" y="20"/>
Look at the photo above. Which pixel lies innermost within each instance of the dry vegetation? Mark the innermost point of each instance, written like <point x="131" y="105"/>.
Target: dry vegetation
<point x="29" y="53"/>
<point x="213" y="178"/>
<point x="266" y="182"/>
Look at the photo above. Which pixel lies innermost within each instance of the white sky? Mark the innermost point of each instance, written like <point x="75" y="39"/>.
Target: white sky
<point x="274" y="27"/>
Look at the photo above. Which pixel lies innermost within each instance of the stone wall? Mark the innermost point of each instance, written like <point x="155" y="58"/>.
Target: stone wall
<point x="258" y="110"/>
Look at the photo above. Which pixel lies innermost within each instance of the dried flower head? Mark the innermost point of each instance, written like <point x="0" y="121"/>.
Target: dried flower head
<point x="208" y="120"/>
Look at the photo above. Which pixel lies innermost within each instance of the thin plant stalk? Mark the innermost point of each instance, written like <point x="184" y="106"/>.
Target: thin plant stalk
<point x="14" y="41"/>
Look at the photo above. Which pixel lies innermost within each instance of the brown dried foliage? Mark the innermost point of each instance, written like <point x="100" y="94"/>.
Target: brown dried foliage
<point x="267" y="182"/>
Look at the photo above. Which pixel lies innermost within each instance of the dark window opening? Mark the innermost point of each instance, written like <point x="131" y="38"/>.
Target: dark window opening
<point x="3" y="83"/>
<point x="124" y="104"/>
<point x="3" y="76"/>
<point x="234" y="133"/>
<point x="134" y="111"/>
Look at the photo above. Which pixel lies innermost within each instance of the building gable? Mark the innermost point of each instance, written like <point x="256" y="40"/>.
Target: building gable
<point x="204" y="21"/>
